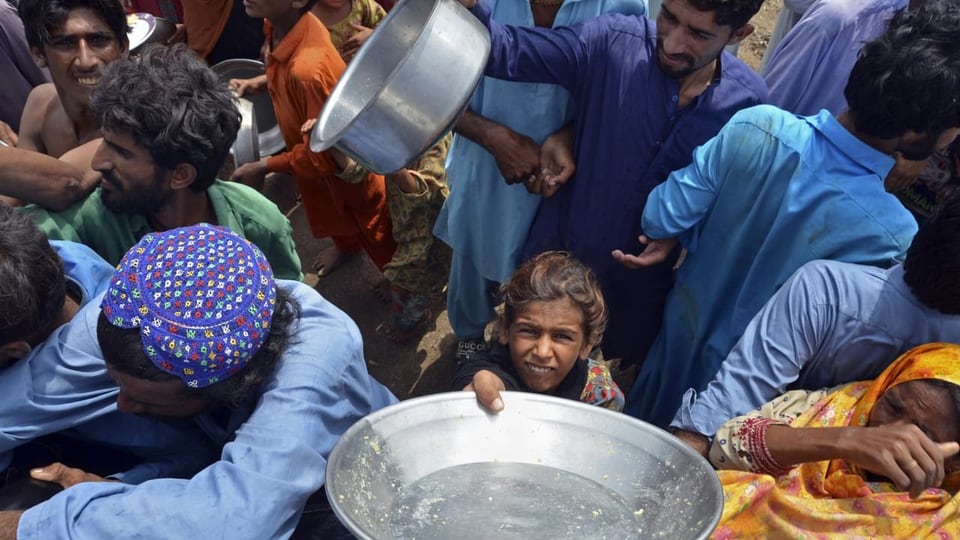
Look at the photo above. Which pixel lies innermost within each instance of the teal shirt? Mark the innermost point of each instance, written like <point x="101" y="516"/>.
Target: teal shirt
<point x="237" y="207"/>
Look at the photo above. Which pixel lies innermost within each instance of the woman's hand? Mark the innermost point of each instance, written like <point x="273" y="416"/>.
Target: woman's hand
<point x="901" y="452"/>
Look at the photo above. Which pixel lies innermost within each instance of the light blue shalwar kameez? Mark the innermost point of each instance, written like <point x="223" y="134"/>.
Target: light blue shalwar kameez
<point x="769" y="193"/>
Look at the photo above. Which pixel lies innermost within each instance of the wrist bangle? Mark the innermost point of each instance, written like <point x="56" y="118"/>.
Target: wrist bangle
<point x="754" y="431"/>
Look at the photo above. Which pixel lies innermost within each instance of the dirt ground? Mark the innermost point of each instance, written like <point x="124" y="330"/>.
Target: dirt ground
<point x="423" y="366"/>
<point x="751" y="50"/>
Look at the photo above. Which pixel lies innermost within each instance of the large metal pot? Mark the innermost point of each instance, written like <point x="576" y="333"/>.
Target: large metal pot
<point x="246" y="147"/>
<point x="145" y="28"/>
<point x="407" y="85"/>
<point x="441" y="467"/>
<point x="269" y="138"/>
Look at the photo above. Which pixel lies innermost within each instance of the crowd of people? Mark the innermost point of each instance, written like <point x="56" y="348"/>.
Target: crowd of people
<point x="769" y="254"/>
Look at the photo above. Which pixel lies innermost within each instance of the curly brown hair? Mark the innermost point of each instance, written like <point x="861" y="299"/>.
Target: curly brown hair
<point x="554" y="275"/>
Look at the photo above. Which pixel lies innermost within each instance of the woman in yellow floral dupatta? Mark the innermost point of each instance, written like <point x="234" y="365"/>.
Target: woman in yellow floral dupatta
<point x="877" y="458"/>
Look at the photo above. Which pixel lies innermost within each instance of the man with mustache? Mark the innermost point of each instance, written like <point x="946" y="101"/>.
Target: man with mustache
<point x="168" y="124"/>
<point x="773" y="191"/>
<point x="646" y="95"/>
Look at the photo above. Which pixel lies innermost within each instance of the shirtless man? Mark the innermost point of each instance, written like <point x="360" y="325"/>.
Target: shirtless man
<point x="75" y="40"/>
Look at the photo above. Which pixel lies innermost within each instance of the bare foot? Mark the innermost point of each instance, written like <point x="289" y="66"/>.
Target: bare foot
<point x="381" y="291"/>
<point x="329" y="260"/>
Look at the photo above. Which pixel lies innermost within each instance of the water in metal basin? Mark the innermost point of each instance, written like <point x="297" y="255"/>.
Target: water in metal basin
<point x="510" y="500"/>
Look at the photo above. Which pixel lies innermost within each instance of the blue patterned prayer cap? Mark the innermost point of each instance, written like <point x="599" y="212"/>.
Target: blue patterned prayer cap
<point x="202" y="297"/>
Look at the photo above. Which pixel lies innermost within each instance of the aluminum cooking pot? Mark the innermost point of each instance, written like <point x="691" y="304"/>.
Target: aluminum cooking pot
<point x="270" y="140"/>
<point x="145" y="28"/>
<point x="440" y="466"/>
<point x="246" y="147"/>
<point x="406" y="87"/>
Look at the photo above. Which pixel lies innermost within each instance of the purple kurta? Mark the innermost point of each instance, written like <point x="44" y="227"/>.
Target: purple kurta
<point x="629" y="136"/>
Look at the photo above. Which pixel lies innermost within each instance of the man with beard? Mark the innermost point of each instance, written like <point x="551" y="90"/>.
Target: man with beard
<point x="168" y="124"/>
<point x="646" y="95"/>
<point x="773" y="191"/>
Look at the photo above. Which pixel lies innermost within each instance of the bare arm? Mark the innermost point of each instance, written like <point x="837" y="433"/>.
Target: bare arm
<point x="518" y="156"/>
<point x="8" y="524"/>
<point x="901" y="452"/>
<point x="52" y="183"/>
<point x="698" y="442"/>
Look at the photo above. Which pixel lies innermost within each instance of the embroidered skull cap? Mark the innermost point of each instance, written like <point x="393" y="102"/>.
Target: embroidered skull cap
<point x="202" y="297"/>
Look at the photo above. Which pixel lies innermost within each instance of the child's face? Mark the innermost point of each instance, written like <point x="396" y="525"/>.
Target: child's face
<point x="545" y="340"/>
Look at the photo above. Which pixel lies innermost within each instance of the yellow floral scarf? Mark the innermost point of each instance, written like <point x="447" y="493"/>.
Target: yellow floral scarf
<point x="830" y="499"/>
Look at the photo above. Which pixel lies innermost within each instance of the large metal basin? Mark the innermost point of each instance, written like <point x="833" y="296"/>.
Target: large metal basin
<point x="441" y="467"/>
<point x="406" y="87"/>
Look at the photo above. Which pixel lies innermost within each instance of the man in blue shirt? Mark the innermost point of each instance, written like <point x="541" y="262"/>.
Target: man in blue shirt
<point x="646" y="95"/>
<point x="193" y="325"/>
<point x="832" y="323"/>
<point x="47" y="383"/>
<point x="773" y="191"/>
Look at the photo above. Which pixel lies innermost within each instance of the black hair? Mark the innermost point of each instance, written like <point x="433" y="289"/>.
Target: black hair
<point x="173" y="105"/>
<point x="932" y="267"/>
<point x="32" y="282"/>
<point x="123" y="352"/>
<point x="908" y="79"/>
<point x="732" y="13"/>
<point x="43" y="17"/>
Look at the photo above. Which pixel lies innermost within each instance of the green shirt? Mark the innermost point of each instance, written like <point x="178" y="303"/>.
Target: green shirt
<point x="237" y="207"/>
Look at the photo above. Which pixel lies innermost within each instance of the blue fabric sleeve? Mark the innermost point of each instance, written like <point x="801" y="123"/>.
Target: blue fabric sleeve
<point x="741" y="152"/>
<point x="265" y="474"/>
<point x="776" y="345"/>
<point x="676" y="206"/>
<point x="545" y="55"/>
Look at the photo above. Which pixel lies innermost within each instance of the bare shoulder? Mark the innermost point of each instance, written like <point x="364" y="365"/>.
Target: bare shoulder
<point x="43" y="99"/>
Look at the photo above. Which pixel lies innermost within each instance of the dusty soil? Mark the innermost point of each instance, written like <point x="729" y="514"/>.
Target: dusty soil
<point x="426" y="365"/>
<point x="751" y="50"/>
